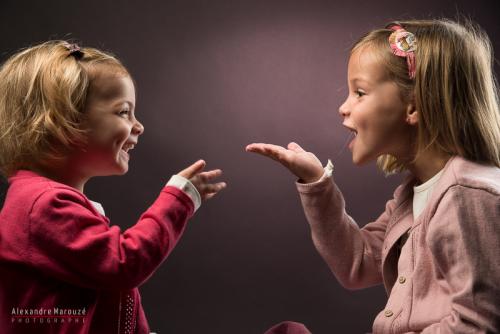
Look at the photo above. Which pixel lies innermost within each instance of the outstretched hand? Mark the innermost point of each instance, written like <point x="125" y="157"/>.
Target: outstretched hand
<point x="305" y="165"/>
<point x="202" y="180"/>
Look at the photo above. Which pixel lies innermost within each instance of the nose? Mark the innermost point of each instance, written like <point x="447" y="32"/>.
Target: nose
<point x="344" y="109"/>
<point x="137" y="128"/>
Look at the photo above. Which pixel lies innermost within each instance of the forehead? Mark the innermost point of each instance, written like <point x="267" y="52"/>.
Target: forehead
<point x="366" y="64"/>
<point x="110" y="85"/>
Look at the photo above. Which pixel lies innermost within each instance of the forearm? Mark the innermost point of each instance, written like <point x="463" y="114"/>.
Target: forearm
<point x="145" y="245"/>
<point x="71" y="243"/>
<point x="351" y="253"/>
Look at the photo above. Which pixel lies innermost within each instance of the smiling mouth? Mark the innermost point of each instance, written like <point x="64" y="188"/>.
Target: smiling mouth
<point x="353" y="130"/>
<point x="127" y="147"/>
<point x="353" y="135"/>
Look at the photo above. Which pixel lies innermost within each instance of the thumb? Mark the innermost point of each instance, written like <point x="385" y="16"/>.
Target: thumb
<point x="192" y="170"/>
<point x="295" y="147"/>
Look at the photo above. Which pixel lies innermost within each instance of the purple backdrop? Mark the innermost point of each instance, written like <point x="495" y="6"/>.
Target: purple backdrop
<point x="213" y="76"/>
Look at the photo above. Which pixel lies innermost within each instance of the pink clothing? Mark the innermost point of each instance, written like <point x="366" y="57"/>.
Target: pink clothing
<point x="447" y="276"/>
<point x="58" y="252"/>
<point x="288" y="327"/>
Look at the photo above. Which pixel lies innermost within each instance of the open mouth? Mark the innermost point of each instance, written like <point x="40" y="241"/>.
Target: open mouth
<point x="126" y="148"/>
<point x="353" y="130"/>
<point x="354" y="134"/>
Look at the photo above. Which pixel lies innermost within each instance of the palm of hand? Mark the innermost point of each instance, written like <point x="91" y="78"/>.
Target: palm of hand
<point x="305" y="165"/>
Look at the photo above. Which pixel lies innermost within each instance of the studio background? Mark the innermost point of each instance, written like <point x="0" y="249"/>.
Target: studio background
<point x="213" y="76"/>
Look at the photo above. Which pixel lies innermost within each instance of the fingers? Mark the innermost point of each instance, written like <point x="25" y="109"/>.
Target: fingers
<point x="212" y="189"/>
<point x="263" y="147"/>
<point x="192" y="170"/>
<point x="295" y="147"/>
<point x="203" y="183"/>
<point x="275" y="152"/>
<point x="209" y="190"/>
<point x="210" y="175"/>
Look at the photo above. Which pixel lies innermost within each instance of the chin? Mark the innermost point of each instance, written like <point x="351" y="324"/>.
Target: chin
<point x="120" y="166"/>
<point x="122" y="170"/>
<point x="356" y="162"/>
<point x="361" y="160"/>
<point x="356" y="159"/>
<point x="115" y="170"/>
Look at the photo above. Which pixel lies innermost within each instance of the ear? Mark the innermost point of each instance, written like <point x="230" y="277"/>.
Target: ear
<point x="412" y="114"/>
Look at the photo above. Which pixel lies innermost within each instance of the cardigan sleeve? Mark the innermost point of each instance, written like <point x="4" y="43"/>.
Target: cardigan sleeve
<point x="75" y="244"/>
<point x="464" y="237"/>
<point x="352" y="253"/>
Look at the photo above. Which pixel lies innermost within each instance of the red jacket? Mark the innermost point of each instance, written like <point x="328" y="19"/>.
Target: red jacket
<point x="64" y="269"/>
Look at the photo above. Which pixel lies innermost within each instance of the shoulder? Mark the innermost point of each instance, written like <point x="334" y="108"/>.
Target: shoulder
<point x="466" y="201"/>
<point x="29" y="189"/>
<point x="468" y="174"/>
<point x="468" y="189"/>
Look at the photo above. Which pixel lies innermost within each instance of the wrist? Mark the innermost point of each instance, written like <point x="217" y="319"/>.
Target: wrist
<point x="311" y="179"/>
<point x="185" y="185"/>
<point x="326" y="172"/>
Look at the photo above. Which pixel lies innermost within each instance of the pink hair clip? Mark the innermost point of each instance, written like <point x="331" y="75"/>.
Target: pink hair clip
<point x="403" y="44"/>
<point x="74" y="50"/>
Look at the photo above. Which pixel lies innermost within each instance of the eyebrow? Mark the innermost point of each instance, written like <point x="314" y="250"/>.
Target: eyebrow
<point x="355" y="80"/>
<point x="130" y="104"/>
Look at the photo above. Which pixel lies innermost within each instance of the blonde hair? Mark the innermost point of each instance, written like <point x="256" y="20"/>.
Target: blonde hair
<point x="454" y="89"/>
<point x="43" y="92"/>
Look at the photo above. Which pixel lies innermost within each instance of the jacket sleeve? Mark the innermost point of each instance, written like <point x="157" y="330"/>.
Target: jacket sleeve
<point x="75" y="244"/>
<point x="353" y="254"/>
<point x="464" y="237"/>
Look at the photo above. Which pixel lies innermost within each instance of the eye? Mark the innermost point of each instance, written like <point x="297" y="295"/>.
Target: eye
<point x="123" y="113"/>
<point x="360" y="93"/>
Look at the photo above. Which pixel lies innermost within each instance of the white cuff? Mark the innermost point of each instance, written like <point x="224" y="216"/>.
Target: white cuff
<point x="185" y="185"/>
<point x="328" y="171"/>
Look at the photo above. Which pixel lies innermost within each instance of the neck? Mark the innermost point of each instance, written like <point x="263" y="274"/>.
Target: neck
<point x="63" y="174"/>
<point x="428" y="164"/>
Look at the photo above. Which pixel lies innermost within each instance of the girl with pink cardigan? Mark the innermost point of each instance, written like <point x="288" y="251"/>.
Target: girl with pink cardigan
<point x="422" y="99"/>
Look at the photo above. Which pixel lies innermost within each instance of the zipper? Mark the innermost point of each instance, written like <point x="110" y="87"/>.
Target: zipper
<point x="119" y="312"/>
<point x="128" y="312"/>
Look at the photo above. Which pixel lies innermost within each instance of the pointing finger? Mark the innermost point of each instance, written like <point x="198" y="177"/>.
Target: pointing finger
<point x="194" y="169"/>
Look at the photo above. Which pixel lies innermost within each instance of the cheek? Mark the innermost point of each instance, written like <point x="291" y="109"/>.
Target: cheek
<point x="379" y="126"/>
<point x="367" y="121"/>
<point x="123" y="132"/>
<point x="117" y="132"/>
<point x="109" y="139"/>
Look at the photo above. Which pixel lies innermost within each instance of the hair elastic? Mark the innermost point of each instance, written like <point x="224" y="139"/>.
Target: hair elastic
<point x="74" y="50"/>
<point x="403" y="44"/>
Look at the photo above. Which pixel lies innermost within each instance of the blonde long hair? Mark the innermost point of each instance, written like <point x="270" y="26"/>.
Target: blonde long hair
<point x="43" y="92"/>
<point x="454" y="90"/>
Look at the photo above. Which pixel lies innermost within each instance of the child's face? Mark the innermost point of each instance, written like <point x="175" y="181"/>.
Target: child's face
<point x="113" y="128"/>
<point x="374" y="110"/>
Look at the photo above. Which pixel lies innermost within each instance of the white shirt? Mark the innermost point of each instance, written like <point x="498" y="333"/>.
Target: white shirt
<point x="422" y="193"/>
